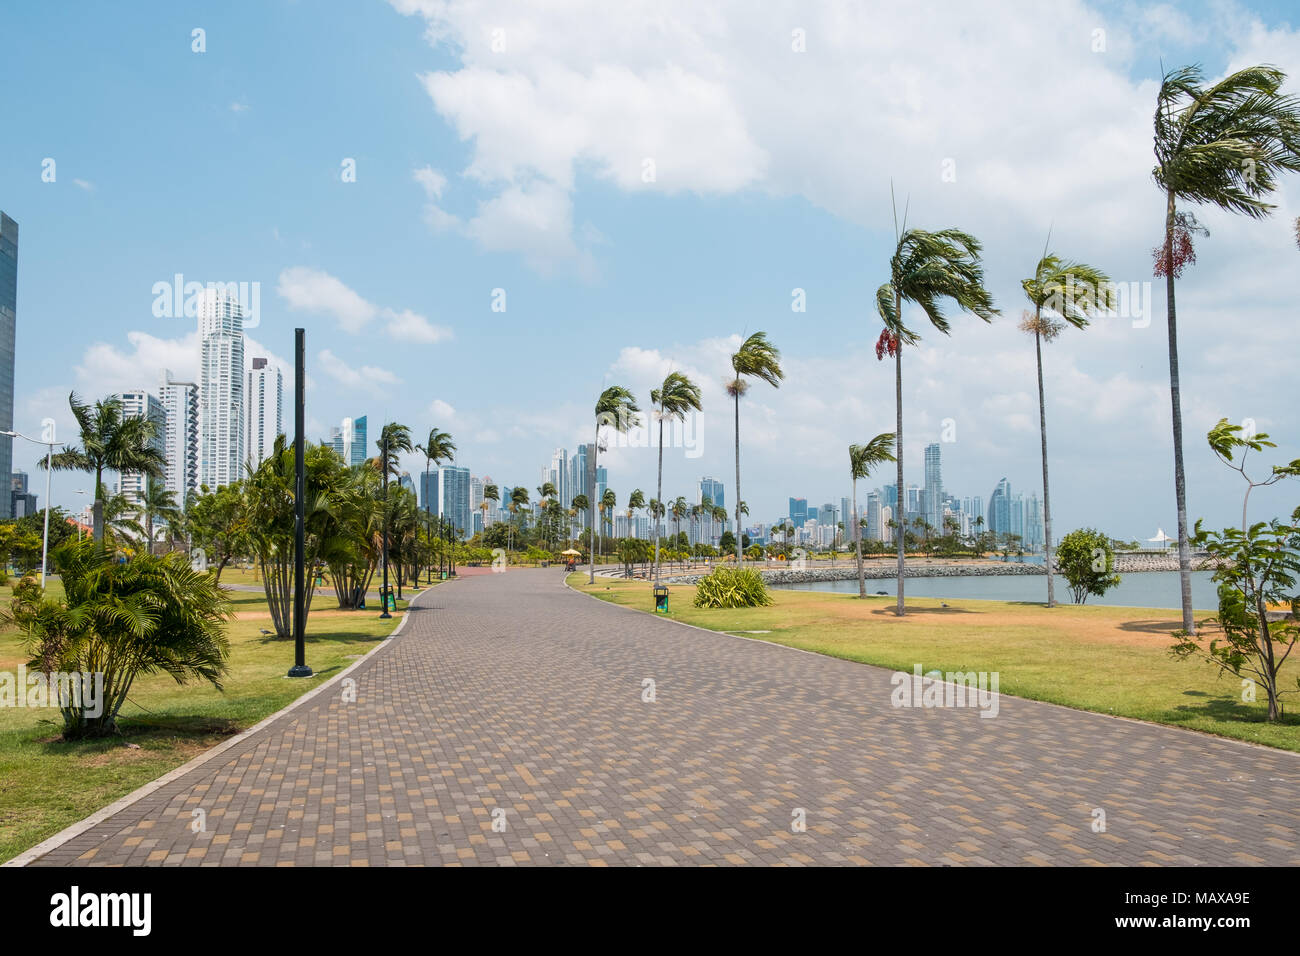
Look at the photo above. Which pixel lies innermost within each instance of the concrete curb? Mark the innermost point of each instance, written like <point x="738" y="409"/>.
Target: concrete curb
<point x="1199" y="734"/>
<point x="99" y="816"/>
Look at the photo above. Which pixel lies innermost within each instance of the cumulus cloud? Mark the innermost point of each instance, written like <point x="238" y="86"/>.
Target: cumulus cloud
<point x="366" y="378"/>
<point x="314" y="290"/>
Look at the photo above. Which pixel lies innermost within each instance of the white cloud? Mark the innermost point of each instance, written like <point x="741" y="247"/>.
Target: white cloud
<point x="85" y="184"/>
<point x="363" y="378"/>
<point x="408" y="326"/>
<point x="314" y="290"/>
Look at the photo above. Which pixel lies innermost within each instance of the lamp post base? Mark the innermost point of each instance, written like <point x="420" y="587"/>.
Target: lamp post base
<point x="300" y="670"/>
<point x="385" y="616"/>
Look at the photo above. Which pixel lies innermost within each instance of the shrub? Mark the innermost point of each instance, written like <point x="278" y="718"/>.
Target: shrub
<point x="731" y="587"/>
<point x="1085" y="559"/>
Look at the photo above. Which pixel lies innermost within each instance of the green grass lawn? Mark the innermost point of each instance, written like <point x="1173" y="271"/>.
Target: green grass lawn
<point x="47" y="784"/>
<point x="1112" y="660"/>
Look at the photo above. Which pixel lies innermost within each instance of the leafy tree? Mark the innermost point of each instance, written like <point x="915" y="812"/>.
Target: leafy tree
<point x="1255" y="567"/>
<point x="1221" y="145"/>
<point x="148" y="615"/>
<point x="1073" y="291"/>
<point x="632" y="551"/>
<point x="756" y="358"/>
<point x="926" y="268"/>
<point x="270" y="492"/>
<point x="1087" y="563"/>
<point x="218" y="525"/>
<point x="437" y="448"/>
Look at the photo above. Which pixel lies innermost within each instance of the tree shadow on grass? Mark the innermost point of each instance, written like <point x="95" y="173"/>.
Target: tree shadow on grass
<point x="1224" y="708"/>
<point x="912" y="609"/>
<point x="140" y="734"/>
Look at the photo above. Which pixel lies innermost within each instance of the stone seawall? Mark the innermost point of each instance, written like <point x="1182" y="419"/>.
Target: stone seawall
<point x="879" y="571"/>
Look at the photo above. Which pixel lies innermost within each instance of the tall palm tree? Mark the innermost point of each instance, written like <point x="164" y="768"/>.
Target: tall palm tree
<point x="1221" y="145"/>
<point x="757" y="358"/>
<point x="157" y="502"/>
<point x="393" y="437"/>
<point x="862" y="458"/>
<point x="742" y="508"/>
<point x="608" y="501"/>
<point x="518" y="500"/>
<point x="490" y="493"/>
<point x="925" y="268"/>
<point x="580" y="506"/>
<point x="110" y="440"/>
<point x="616" y="408"/>
<point x="673" y="399"/>
<point x="437" y="448"/>
<point x="545" y="495"/>
<point x="719" y="514"/>
<point x="635" y="502"/>
<point x="656" y="511"/>
<point x="679" y="509"/>
<point x="1073" y="291"/>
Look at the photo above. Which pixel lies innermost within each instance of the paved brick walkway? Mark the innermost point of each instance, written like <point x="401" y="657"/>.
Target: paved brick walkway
<point x="513" y="700"/>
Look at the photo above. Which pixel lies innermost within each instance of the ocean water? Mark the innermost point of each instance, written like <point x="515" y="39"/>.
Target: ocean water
<point x="1137" y="589"/>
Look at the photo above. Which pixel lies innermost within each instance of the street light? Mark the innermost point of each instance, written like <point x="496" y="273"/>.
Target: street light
<point x="48" y="424"/>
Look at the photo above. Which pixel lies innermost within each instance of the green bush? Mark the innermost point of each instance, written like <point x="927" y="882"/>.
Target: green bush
<point x="732" y="587"/>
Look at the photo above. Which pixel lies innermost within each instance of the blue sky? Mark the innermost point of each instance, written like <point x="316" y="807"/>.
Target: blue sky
<point x="520" y="169"/>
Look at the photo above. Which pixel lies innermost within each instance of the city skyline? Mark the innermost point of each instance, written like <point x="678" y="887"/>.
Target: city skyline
<point x="403" y="327"/>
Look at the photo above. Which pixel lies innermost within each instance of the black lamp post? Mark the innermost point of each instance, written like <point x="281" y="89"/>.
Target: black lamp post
<point x="383" y="595"/>
<point x="300" y="668"/>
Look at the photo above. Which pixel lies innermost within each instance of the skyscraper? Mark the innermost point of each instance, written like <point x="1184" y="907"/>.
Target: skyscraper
<point x="452" y="501"/>
<point x="873" y="531"/>
<point x="798" y="511"/>
<point x="933" y="487"/>
<point x="577" y="474"/>
<point x="221" y="389"/>
<point x="999" y="519"/>
<point x="556" y="471"/>
<point x="8" y="328"/>
<point x="138" y="403"/>
<point x="349" y="441"/>
<point x="180" y="402"/>
<point x="265" y="403"/>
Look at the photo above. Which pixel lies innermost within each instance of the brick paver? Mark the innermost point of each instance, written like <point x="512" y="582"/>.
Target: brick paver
<point x="511" y="701"/>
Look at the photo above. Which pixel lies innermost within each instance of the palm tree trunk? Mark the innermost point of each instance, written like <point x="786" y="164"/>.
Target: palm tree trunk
<point x="740" y="537"/>
<point x="857" y="543"/>
<point x="1180" y="481"/>
<point x="1047" y="501"/>
<point x="591" y="488"/>
<point x="900" y="495"/>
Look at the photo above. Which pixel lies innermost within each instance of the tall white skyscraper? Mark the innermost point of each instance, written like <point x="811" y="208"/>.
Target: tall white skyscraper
<point x="264" y="401"/>
<point x="138" y="403"/>
<point x="180" y="402"/>
<point x="221" y="390"/>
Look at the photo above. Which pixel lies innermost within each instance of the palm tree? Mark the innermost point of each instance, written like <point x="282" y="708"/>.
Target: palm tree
<point x="110" y="440"/>
<point x="1072" y="290"/>
<point x="758" y="358"/>
<point x="157" y="502"/>
<point x="679" y="509"/>
<point x="392" y="437"/>
<point x="518" y="499"/>
<point x="674" y="398"/>
<point x="719" y="514"/>
<point x="862" y="458"/>
<point x="925" y="268"/>
<point x="635" y="502"/>
<point x="437" y="448"/>
<point x="617" y="409"/>
<point x="656" y="511"/>
<point x="580" y="506"/>
<point x="608" y="501"/>
<point x="545" y="494"/>
<point x="1221" y="145"/>
<point x="742" y="508"/>
<point x="490" y="493"/>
